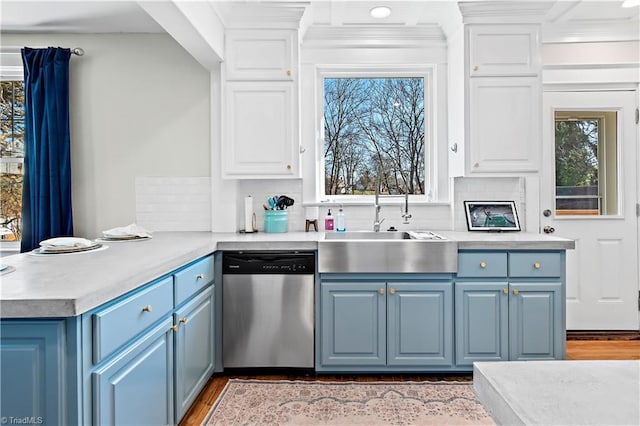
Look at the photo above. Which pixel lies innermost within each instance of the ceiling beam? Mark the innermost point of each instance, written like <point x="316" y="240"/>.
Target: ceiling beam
<point x="194" y="25"/>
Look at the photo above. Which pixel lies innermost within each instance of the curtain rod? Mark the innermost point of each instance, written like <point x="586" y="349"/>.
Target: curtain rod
<point x="79" y="51"/>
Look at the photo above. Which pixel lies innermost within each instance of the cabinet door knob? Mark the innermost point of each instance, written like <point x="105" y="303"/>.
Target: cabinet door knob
<point x="537" y="265"/>
<point x="476" y="165"/>
<point x="515" y="292"/>
<point x="505" y="290"/>
<point x="381" y="291"/>
<point x="392" y="290"/>
<point x="200" y="277"/>
<point x="289" y="73"/>
<point x="483" y="265"/>
<point x="174" y="328"/>
<point x="475" y="68"/>
<point x="146" y="308"/>
<point x="288" y="166"/>
<point x="183" y="320"/>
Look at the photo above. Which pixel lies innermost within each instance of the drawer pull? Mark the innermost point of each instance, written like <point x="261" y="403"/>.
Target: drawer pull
<point x="476" y="68"/>
<point x="381" y="291"/>
<point x="289" y="72"/>
<point x="537" y="265"/>
<point x="174" y="328"/>
<point x="483" y="265"/>
<point x="200" y="277"/>
<point x="392" y="290"/>
<point x="505" y="291"/>
<point x="515" y="292"/>
<point x="183" y="320"/>
<point x="147" y="308"/>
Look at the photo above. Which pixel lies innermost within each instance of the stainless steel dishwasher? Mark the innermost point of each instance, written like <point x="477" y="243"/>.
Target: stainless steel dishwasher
<point x="267" y="309"/>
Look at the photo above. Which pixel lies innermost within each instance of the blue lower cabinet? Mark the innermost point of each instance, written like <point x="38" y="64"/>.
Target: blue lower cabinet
<point x="36" y="383"/>
<point x="420" y="324"/>
<point x="501" y="321"/>
<point x="535" y="315"/>
<point x="353" y="323"/>
<point x="136" y="387"/>
<point x="482" y="322"/>
<point x="194" y="349"/>
<point x="385" y="326"/>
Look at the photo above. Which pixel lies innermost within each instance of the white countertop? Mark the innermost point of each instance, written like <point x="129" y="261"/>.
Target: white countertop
<point x="559" y="392"/>
<point x="69" y="285"/>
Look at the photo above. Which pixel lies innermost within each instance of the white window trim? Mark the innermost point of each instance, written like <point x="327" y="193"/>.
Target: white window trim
<point x="11" y="71"/>
<point x="426" y="71"/>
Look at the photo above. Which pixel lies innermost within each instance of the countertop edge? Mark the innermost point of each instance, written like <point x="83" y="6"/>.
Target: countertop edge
<point x="192" y="246"/>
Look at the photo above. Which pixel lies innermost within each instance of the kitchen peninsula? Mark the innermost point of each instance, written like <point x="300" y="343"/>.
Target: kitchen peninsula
<point x="102" y="335"/>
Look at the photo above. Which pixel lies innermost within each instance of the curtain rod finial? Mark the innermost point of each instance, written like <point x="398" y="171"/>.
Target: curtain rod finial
<point x="77" y="51"/>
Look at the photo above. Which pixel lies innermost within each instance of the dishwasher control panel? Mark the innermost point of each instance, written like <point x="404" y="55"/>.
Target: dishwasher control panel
<point x="248" y="262"/>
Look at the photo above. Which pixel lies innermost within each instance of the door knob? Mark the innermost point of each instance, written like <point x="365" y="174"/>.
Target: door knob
<point x="548" y="229"/>
<point x="546" y="213"/>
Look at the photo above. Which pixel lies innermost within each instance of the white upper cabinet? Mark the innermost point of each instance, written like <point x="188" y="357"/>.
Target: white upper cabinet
<point x="259" y="126"/>
<point x="261" y="55"/>
<point x="503" y="50"/>
<point x="261" y="106"/>
<point x="500" y="105"/>
<point x="504" y="132"/>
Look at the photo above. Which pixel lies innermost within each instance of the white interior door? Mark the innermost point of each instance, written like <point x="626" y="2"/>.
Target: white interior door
<point x="589" y="194"/>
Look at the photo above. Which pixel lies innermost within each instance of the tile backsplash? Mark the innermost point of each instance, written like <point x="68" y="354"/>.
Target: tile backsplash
<point x="184" y="204"/>
<point x="173" y="203"/>
<point x="487" y="189"/>
<point x="358" y="217"/>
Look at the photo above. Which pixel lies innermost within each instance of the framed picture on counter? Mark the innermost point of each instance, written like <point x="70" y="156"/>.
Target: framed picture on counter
<point x="491" y="216"/>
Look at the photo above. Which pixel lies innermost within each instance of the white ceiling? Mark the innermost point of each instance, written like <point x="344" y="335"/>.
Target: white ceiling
<point x="98" y="16"/>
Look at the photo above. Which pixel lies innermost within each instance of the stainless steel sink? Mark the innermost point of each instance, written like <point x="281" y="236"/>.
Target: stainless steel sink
<point x="367" y="235"/>
<point x="385" y="252"/>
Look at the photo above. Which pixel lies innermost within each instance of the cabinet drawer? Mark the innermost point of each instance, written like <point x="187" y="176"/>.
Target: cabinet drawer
<point x="190" y="280"/>
<point x="116" y="324"/>
<point x="482" y="265"/>
<point x="535" y="264"/>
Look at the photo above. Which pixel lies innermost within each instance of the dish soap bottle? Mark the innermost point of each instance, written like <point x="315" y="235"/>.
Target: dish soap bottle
<point x="328" y="222"/>
<point x="340" y="221"/>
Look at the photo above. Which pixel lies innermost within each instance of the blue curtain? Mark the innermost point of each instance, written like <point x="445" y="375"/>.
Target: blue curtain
<point x="46" y="195"/>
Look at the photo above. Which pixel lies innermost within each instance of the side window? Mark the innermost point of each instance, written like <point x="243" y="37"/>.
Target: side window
<point x="586" y="163"/>
<point x="11" y="158"/>
<point x="374" y="129"/>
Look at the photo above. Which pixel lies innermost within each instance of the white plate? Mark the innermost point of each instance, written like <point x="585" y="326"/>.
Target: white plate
<point x="121" y="240"/>
<point x="66" y="242"/>
<point x="40" y="252"/>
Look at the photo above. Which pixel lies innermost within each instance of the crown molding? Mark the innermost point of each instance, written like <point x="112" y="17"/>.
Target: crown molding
<point x="498" y="12"/>
<point x="567" y="32"/>
<point x="370" y="36"/>
<point x="277" y="14"/>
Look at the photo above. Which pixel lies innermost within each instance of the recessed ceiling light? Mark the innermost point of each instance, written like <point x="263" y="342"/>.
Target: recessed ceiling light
<point x="630" y="3"/>
<point x="380" y="12"/>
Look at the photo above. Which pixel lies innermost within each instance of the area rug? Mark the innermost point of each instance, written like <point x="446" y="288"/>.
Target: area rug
<point x="281" y="402"/>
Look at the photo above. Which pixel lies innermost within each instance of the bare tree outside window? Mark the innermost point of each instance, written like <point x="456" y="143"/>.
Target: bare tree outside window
<point x="11" y="158"/>
<point x="374" y="125"/>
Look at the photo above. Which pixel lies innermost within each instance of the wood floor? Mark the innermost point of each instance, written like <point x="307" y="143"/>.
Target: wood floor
<point x="576" y="350"/>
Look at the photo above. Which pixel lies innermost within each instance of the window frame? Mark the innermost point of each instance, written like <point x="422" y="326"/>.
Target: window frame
<point x="609" y="190"/>
<point x="11" y="70"/>
<point x="427" y="72"/>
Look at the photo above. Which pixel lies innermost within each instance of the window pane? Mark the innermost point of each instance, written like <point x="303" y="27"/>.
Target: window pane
<point x="371" y="125"/>
<point x="12" y="119"/>
<point x="11" y="154"/>
<point x="585" y="158"/>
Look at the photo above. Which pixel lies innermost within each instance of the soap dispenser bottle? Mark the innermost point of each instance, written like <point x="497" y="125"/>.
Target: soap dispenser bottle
<point x="328" y="222"/>
<point x="340" y="227"/>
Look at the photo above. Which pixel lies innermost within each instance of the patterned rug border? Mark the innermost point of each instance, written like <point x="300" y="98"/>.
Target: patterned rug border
<point x="327" y="382"/>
